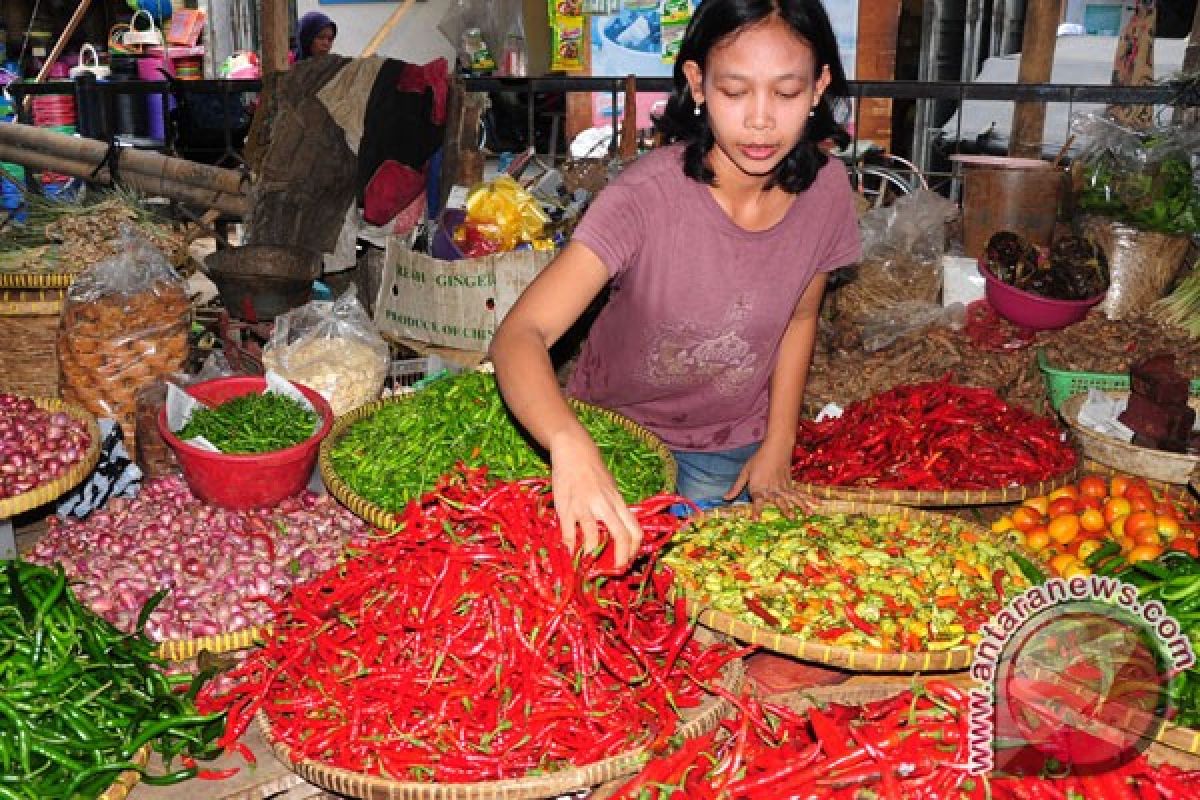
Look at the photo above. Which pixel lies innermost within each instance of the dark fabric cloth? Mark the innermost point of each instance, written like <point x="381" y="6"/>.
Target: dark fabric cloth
<point x="307" y="173"/>
<point x="307" y="29"/>
<point x="404" y="124"/>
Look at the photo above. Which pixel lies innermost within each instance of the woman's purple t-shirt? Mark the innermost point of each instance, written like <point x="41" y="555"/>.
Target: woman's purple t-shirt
<point x="690" y="335"/>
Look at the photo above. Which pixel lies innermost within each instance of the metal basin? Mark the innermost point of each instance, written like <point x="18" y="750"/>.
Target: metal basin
<point x="259" y="282"/>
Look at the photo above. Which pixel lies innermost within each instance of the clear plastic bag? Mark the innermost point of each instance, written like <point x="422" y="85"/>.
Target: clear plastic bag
<point x="902" y="255"/>
<point x="881" y="329"/>
<point x="332" y="348"/>
<point x="125" y="322"/>
<point x="1143" y="179"/>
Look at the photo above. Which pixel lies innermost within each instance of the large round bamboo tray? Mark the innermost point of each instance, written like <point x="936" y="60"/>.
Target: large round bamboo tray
<point x="217" y="644"/>
<point x="847" y="658"/>
<point x="382" y="518"/>
<point x="368" y="787"/>
<point x="49" y="280"/>
<point x="40" y="495"/>
<point x="1179" y="747"/>
<point x="1157" y="465"/>
<point x="939" y="498"/>
<point x="126" y="780"/>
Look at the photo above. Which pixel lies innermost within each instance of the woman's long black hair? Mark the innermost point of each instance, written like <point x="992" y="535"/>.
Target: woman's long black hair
<point x="713" y="21"/>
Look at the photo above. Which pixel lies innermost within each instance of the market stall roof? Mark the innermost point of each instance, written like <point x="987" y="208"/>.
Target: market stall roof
<point x="1077" y="60"/>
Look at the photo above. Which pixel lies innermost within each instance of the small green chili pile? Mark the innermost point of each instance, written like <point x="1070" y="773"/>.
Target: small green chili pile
<point x="253" y="423"/>
<point x="79" y="698"/>
<point x="401" y="450"/>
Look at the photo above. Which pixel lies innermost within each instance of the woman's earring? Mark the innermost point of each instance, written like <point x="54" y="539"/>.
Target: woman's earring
<point x="812" y="113"/>
<point x="699" y="109"/>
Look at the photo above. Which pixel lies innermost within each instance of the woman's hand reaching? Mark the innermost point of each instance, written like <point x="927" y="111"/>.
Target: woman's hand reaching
<point x="586" y="495"/>
<point x="767" y="478"/>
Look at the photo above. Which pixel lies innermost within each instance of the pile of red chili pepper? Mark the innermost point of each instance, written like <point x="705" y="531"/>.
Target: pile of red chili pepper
<point x="934" y="435"/>
<point x="914" y="746"/>
<point x="472" y="645"/>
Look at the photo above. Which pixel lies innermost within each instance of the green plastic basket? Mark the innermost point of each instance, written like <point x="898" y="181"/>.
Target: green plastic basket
<point x="1062" y="383"/>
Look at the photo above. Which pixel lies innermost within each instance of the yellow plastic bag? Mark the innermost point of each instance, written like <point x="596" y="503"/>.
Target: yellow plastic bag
<point x="506" y="213"/>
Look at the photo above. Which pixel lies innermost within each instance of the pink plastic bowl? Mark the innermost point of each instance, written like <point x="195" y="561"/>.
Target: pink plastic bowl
<point x="251" y="480"/>
<point x="1031" y="310"/>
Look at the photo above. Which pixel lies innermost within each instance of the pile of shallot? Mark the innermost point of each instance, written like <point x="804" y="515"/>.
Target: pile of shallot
<point x="217" y="564"/>
<point x="36" y="446"/>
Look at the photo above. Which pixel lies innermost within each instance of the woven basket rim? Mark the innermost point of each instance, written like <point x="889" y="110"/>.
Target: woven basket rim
<point x="1097" y="446"/>
<point x="943" y="498"/>
<point x="217" y="643"/>
<point x="34" y="280"/>
<point x="126" y="780"/>
<point x="1166" y="748"/>
<point x="47" y="492"/>
<point x="554" y="784"/>
<point x="382" y="518"/>
<point x="949" y="660"/>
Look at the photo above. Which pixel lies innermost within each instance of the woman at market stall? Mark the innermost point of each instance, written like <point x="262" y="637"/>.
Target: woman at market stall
<point x="717" y="247"/>
<point x="314" y="36"/>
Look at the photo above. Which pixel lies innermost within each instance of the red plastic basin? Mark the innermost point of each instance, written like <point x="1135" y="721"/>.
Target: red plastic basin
<point x="251" y="480"/>
<point x="1031" y="310"/>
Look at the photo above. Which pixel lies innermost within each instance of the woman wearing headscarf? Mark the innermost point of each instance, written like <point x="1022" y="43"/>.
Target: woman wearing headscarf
<point x="314" y="36"/>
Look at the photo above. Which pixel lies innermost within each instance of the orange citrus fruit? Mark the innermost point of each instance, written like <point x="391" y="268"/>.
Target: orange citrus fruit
<point x="1061" y="561"/>
<point x="1037" y="538"/>
<point x="1143" y="552"/>
<point x="1140" y="521"/>
<point x="1167" y="526"/>
<point x="1064" y="491"/>
<point x="1026" y="518"/>
<point x="1116" y="507"/>
<point x="1147" y="537"/>
<point x="1064" y="528"/>
<point x="1092" y="520"/>
<point x="1060" y="506"/>
<point x="1093" y="486"/>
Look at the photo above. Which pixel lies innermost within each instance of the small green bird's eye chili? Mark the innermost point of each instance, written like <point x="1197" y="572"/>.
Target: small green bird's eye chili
<point x="253" y="423"/>
<point x="402" y="449"/>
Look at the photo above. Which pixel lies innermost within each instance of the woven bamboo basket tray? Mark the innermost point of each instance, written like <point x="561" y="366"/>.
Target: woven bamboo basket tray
<point x="1157" y="465"/>
<point x="1175" y="746"/>
<point x="49" y="280"/>
<point x="218" y="643"/>
<point x="939" y="498"/>
<point x="29" y="328"/>
<point x="382" y="518"/>
<point x="368" y="787"/>
<point x="40" y="495"/>
<point x="126" y="780"/>
<point x="847" y="658"/>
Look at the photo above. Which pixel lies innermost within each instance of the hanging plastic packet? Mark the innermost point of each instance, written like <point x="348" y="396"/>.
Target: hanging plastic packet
<point x="568" y="41"/>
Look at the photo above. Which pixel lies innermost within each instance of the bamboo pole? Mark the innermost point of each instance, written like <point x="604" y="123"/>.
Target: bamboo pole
<point x="1037" y="59"/>
<point x="385" y="29"/>
<point x="157" y="185"/>
<point x="90" y="151"/>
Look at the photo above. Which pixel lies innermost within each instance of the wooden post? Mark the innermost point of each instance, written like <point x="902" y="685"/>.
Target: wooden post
<point x="629" y="129"/>
<point x="1037" y="58"/>
<point x="274" y="36"/>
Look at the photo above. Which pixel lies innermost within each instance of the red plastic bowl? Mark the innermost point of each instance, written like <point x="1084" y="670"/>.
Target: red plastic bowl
<point x="1031" y="310"/>
<point x="249" y="480"/>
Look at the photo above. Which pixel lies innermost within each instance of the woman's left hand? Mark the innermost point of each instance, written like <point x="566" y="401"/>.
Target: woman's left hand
<point x="767" y="477"/>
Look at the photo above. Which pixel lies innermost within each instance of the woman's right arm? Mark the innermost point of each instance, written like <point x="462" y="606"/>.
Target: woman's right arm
<point x="584" y="490"/>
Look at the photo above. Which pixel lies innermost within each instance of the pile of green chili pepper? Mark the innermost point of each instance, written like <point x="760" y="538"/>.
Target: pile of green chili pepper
<point x="253" y="423"/>
<point x="1174" y="580"/>
<point x="79" y="698"/>
<point x="402" y="449"/>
